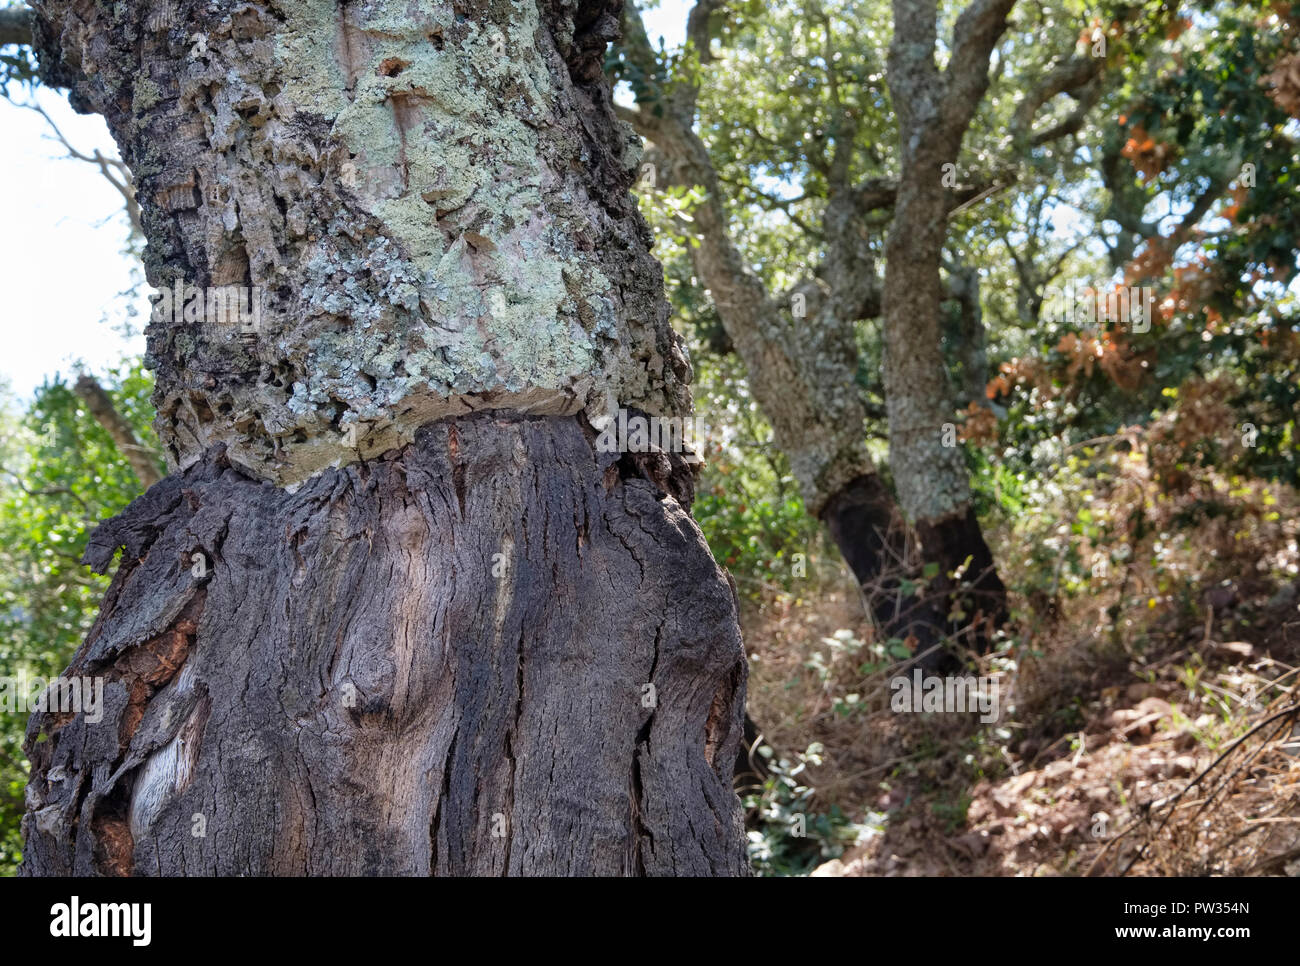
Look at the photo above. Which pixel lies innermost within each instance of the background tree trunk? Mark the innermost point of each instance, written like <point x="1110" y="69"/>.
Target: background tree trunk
<point x="934" y="110"/>
<point x="801" y="368"/>
<point x="391" y="612"/>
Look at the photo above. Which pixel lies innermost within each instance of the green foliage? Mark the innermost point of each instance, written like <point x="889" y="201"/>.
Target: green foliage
<point x="1072" y="480"/>
<point x="790" y="837"/>
<point x="746" y="501"/>
<point x="757" y="541"/>
<point x="62" y="475"/>
<point x="952" y="811"/>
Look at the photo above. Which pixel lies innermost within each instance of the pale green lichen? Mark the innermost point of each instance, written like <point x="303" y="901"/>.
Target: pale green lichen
<point x="412" y="186"/>
<point x="497" y="306"/>
<point x="146" y="95"/>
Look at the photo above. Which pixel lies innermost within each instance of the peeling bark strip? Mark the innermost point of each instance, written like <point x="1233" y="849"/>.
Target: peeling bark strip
<point x="478" y="647"/>
<point x="352" y="691"/>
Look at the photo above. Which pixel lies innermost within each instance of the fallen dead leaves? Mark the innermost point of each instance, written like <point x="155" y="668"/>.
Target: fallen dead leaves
<point x="1114" y="798"/>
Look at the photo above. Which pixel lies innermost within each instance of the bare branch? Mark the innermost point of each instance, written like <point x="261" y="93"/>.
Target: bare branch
<point x="876" y="194"/>
<point x="977" y="31"/>
<point x="114" y="171"/>
<point x="773" y="203"/>
<point x="16" y="26"/>
<point x="100" y="404"/>
<point x="1076" y="76"/>
<point x="1200" y="208"/>
<point x="46" y="490"/>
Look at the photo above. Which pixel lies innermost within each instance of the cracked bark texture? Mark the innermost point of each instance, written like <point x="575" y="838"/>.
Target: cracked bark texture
<point x="349" y="690"/>
<point x="466" y="643"/>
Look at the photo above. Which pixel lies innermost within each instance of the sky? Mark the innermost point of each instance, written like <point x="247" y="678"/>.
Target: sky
<point x="61" y="261"/>
<point x="62" y="264"/>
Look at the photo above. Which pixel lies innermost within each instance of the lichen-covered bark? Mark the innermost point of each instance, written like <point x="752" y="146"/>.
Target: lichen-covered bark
<point x="431" y="198"/>
<point x="929" y="471"/>
<point x="358" y="685"/>
<point x="391" y="613"/>
<point x="801" y="368"/>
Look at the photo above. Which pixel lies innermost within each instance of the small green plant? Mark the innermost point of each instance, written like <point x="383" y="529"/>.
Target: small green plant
<point x="952" y="811"/>
<point x="791" y="838"/>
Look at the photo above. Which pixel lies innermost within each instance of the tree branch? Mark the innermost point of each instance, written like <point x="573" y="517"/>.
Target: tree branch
<point x="114" y="171"/>
<point x="101" y="407"/>
<point x="877" y="194"/>
<point x="47" y="491"/>
<point x="1075" y="76"/>
<point x="771" y="203"/>
<point x="697" y="27"/>
<point x="16" y="26"/>
<point x="798" y="360"/>
<point x="976" y="33"/>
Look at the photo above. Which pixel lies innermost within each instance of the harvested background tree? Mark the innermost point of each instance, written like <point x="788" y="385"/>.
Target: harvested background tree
<point x="801" y="364"/>
<point x="934" y="110"/>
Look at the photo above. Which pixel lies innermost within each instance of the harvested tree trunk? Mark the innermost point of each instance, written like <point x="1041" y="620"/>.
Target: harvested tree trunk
<point x="345" y="688"/>
<point x="865" y="524"/>
<point x="929" y="469"/>
<point x="392" y="611"/>
<point x="801" y="368"/>
<point x="934" y="110"/>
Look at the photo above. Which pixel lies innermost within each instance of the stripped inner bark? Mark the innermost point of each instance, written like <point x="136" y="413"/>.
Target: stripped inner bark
<point x="437" y="662"/>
